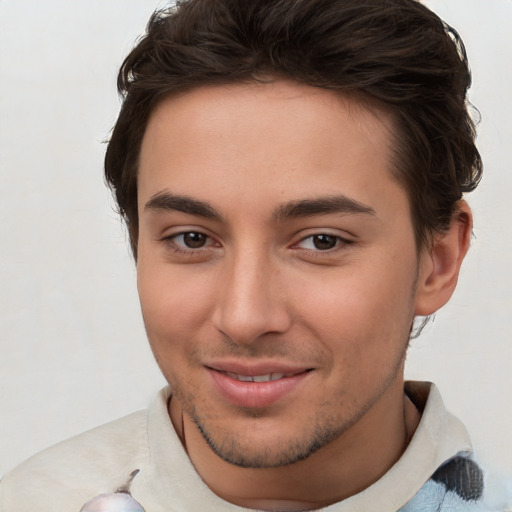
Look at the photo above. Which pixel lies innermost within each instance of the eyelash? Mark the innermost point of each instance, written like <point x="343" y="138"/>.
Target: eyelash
<point x="170" y="241"/>
<point x="341" y="243"/>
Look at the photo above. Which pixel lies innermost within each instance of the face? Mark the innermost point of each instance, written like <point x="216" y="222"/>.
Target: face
<point x="276" y="264"/>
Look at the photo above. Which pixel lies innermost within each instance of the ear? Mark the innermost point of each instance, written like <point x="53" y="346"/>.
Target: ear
<point x="440" y="264"/>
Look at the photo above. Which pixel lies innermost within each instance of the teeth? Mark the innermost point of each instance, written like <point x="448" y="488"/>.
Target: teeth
<point x="262" y="378"/>
<point x="243" y="378"/>
<point x="258" y="378"/>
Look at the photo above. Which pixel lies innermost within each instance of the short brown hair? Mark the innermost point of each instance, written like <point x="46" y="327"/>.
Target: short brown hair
<point x="394" y="51"/>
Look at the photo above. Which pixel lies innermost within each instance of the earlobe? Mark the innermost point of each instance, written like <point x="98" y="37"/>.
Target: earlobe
<point x="440" y="264"/>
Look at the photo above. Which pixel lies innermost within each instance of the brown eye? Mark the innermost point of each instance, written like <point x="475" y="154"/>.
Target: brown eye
<point x="193" y="240"/>
<point x="324" y="242"/>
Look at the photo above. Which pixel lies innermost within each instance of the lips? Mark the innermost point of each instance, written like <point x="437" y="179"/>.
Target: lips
<point x="255" y="386"/>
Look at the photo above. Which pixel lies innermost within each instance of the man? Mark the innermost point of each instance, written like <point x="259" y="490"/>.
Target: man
<point x="291" y="174"/>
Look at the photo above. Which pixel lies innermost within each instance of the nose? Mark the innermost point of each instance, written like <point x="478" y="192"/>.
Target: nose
<point x="251" y="301"/>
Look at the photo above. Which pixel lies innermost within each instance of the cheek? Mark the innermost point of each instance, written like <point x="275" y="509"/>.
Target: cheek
<point x="174" y="304"/>
<point x="369" y="304"/>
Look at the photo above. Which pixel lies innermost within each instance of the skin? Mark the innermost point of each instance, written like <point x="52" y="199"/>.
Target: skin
<point x="234" y="268"/>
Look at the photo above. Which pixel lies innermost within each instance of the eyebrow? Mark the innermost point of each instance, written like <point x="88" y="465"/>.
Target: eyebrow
<point x="167" y="202"/>
<point x="322" y="206"/>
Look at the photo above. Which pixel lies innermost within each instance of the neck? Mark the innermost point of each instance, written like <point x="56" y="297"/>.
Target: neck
<point x="344" y="467"/>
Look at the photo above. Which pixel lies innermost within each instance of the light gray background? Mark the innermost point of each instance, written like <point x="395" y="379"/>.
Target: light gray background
<point x="73" y="352"/>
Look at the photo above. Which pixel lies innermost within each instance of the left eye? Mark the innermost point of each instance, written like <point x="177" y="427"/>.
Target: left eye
<point x="320" y="242"/>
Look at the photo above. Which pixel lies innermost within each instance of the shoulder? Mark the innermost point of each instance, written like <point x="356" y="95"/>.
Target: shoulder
<point x="66" y="474"/>
<point x="461" y="484"/>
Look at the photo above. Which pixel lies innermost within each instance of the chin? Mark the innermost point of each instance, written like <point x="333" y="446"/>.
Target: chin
<point x="263" y="446"/>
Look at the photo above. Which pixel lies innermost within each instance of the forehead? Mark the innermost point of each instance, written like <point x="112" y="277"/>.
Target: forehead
<point x="271" y="139"/>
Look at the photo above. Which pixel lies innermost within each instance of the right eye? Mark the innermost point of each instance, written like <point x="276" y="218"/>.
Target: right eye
<point x="190" y="240"/>
<point x="191" y="245"/>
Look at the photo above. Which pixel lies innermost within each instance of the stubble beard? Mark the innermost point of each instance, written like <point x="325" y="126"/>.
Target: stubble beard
<point x="292" y="450"/>
<point x="240" y="452"/>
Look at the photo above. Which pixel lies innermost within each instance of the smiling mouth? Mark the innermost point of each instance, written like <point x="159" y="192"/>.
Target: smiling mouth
<point x="259" y="378"/>
<point x="253" y="387"/>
